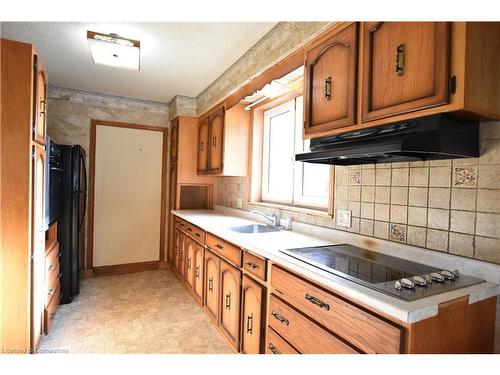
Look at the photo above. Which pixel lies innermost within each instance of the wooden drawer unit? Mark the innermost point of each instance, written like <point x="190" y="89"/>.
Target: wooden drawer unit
<point x="302" y="333"/>
<point x="277" y="345"/>
<point x="364" y="330"/>
<point x="52" y="261"/>
<point x="254" y="265"/>
<point x="50" y="311"/>
<point x="52" y="284"/>
<point x="181" y="224"/>
<point x="224" y="248"/>
<point x="195" y="232"/>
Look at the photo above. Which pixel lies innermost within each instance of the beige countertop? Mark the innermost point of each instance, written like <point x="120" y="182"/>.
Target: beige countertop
<point x="269" y="244"/>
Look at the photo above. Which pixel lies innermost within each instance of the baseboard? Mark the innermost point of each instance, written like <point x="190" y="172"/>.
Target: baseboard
<point x="120" y="269"/>
<point x="164" y="265"/>
<point x="85" y="274"/>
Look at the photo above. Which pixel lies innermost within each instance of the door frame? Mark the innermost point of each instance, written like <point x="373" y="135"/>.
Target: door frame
<point x="90" y="220"/>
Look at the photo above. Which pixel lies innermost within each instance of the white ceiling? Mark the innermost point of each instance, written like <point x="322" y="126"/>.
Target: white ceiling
<point x="177" y="58"/>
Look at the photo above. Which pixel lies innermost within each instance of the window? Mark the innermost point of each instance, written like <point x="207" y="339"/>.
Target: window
<point x="284" y="180"/>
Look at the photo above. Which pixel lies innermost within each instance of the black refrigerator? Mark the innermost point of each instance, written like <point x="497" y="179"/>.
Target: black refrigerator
<point x="71" y="224"/>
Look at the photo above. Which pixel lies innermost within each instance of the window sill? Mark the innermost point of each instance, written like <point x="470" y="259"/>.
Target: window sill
<point x="302" y="210"/>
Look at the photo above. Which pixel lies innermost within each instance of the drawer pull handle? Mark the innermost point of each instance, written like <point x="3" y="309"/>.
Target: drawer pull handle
<point x="50" y="292"/>
<point x="228" y="301"/>
<point x="189" y="229"/>
<point x="189" y="263"/>
<point x="197" y="235"/>
<point x="317" y="302"/>
<point x="51" y="267"/>
<point x="220" y="247"/>
<point x="60" y="275"/>
<point x="250" y="324"/>
<point x="273" y="348"/>
<point x="252" y="265"/>
<point x="280" y="317"/>
<point x="52" y="316"/>
<point x="197" y="272"/>
<point x="400" y="59"/>
<point x="211" y="285"/>
<point x="328" y="88"/>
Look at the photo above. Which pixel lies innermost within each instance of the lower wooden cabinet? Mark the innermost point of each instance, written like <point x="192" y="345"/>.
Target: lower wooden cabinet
<point x="277" y="345"/>
<point x="230" y="281"/>
<point x="252" y="296"/>
<point x="189" y="260"/>
<point x="199" y="254"/>
<point x="211" y="294"/>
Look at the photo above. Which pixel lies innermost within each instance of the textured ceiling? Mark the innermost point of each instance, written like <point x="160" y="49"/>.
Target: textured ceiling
<point x="176" y="58"/>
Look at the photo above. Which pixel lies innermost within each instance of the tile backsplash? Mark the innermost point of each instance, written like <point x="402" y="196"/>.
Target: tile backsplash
<point x="444" y="205"/>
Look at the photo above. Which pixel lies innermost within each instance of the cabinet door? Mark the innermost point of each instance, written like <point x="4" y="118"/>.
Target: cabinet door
<point x="189" y="260"/>
<point x="38" y="282"/>
<point x="216" y="153"/>
<point x="173" y="186"/>
<point x="252" y="303"/>
<point x="40" y="102"/>
<point x="198" y="270"/>
<point x="405" y="67"/>
<point x="182" y="256"/>
<point x="203" y="134"/>
<point x="174" y="140"/>
<point x="230" y="281"/>
<point x="212" y="267"/>
<point x="330" y="82"/>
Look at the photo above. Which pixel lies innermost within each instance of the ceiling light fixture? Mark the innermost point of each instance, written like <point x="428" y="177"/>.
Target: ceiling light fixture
<point x="113" y="50"/>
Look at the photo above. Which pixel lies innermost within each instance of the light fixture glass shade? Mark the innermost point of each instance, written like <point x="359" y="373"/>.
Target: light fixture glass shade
<point x="114" y="54"/>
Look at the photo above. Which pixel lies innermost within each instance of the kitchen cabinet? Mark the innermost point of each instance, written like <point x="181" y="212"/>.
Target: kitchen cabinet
<point x="330" y="81"/>
<point x="405" y="67"/>
<point x="199" y="256"/>
<point x="174" y="140"/>
<point x="277" y="345"/>
<point x="223" y="140"/>
<point x="189" y="262"/>
<point x="212" y="287"/>
<point x="40" y="106"/>
<point x="52" y="290"/>
<point x="180" y="239"/>
<point x="230" y="284"/>
<point x="252" y="296"/>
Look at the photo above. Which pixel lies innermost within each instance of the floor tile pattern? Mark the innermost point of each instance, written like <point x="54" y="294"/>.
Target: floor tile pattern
<point x="145" y="312"/>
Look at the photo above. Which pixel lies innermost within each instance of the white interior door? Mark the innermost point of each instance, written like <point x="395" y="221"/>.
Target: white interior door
<point x="127" y="195"/>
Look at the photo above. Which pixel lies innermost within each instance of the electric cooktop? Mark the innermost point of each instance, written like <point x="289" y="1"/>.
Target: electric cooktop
<point x="390" y="275"/>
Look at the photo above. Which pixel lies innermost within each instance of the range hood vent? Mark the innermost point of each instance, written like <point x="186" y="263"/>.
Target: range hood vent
<point x="441" y="136"/>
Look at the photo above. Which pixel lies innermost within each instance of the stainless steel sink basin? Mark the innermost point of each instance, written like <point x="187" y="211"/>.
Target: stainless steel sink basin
<point x="254" y="228"/>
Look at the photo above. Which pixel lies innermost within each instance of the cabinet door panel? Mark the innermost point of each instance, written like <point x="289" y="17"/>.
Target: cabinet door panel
<point x="173" y="186"/>
<point x="177" y="241"/>
<point x="174" y="140"/>
<point x="230" y="280"/>
<point x="330" y="82"/>
<point x="189" y="260"/>
<point x="40" y="103"/>
<point x="216" y="148"/>
<point x="405" y="67"/>
<point x="198" y="270"/>
<point x="203" y="146"/>
<point x="181" y="257"/>
<point x="251" y="331"/>
<point x="212" y="267"/>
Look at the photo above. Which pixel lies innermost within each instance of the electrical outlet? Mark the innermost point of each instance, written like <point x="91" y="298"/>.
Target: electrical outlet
<point x="344" y="218"/>
<point x="239" y="203"/>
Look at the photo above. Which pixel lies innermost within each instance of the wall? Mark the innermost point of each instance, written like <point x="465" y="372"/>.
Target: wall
<point x="69" y="113"/>
<point x="448" y="206"/>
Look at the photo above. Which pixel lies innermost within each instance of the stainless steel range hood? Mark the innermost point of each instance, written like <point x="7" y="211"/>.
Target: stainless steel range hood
<point x="441" y="136"/>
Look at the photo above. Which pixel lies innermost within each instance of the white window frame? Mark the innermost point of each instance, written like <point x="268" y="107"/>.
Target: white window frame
<point x="296" y="198"/>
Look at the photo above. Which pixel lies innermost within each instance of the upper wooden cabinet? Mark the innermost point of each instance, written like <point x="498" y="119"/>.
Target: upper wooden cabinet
<point x="40" y="102"/>
<point x="174" y="140"/>
<point x="330" y="81"/>
<point x="405" y="67"/>
<point x="223" y="138"/>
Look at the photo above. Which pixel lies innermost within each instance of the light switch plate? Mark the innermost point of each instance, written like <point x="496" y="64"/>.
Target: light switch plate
<point x="344" y="218"/>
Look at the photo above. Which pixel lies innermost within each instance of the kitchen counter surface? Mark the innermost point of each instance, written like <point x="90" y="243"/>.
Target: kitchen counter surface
<point x="269" y="244"/>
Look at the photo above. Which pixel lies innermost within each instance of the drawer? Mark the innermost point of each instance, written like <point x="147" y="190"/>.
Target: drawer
<point x="364" y="330"/>
<point x="254" y="265"/>
<point x="277" y="345"/>
<point x="52" y="283"/>
<point x="225" y="249"/>
<point x="305" y="335"/>
<point x="181" y="224"/>
<point x="50" y="311"/>
<point x="51" y="261"/>
<point x="195" y="232"/>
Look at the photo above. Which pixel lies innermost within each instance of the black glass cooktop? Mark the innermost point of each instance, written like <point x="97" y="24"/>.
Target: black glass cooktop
<point x="376" y="270"/>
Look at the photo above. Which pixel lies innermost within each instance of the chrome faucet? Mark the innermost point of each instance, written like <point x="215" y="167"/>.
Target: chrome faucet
<point x="273" y="218"/>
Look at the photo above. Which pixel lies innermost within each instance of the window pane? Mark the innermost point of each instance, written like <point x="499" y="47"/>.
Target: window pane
<point x="315" y="181"/>
<point x="280" y="172"/>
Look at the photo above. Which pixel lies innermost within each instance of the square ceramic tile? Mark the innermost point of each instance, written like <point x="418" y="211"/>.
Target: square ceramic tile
<point x="417" y="216"/>
<point x="488" y="200"/>
<point x="354" y="193"/>
<point x="366" y="227"/>
<point x="438" y="218"/>
<point x="341" y="192"/>
<point x="399" y="195"/>
<point x="440" y="177"/>
<point x="355" y="177"/>
<point x="437" y="240"/>
<point x="397" y="232"/>
<point x="487" y="249"/>
<point x="367" y="193"/>
<point x="465" y="177"/>
<point x="381" y="212"/>
<point x="381" y="230"/>
<point x="382" y="194"/>
<point x="488" y="225"/>
<point x="419" y="177"/>
<point x="368" y="177"/>
<point x="439" y="197"/>
<point x="400" y="176"/>
<point x="463" y="199"/>
<point x="355" y="207"/>
<point x="417" y="196"/>
<point x="416" y="236"/>
<point x="461" y="244"/>
<point x="488" y="177"/>
<point x="341" y="175"/>
<point x="490" y="151"/>
<point x="462" y="221"/>
<point x="367" y="210"/>
<point x="354" y="225"/>
<point x="383" y="177"/>
<point x="399" y="214"/>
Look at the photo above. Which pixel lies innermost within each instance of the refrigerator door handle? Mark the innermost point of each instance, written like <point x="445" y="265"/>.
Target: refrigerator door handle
<point x="84" y="170"/>
<point x="84" y="210"/>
